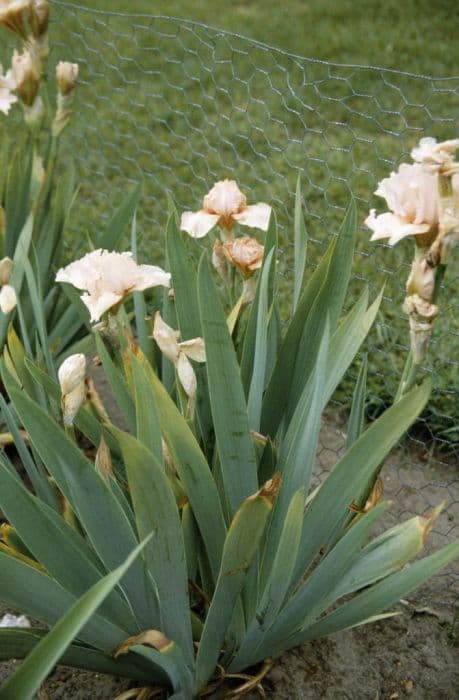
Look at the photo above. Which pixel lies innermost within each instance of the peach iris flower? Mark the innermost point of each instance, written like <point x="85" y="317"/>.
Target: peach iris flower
<point x="109" y="277"/>
<point x="412" y="196"/>
<point x="224" y="205"/>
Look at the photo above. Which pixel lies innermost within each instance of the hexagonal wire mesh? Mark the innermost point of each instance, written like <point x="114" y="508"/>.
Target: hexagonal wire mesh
<point x="183" y="104"/>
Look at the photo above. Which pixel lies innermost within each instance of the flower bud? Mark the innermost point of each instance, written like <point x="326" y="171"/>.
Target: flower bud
<point x="26" y="74"/>
<point x="6" y="265"/>
<point x="71" y="377"/>
<point x="72" y="372"/>
<point x="66" y="76"/>
<point x="8" y="299"/>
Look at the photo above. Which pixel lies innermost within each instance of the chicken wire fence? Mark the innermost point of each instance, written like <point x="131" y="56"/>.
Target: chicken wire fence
<point x="182" y="105"/>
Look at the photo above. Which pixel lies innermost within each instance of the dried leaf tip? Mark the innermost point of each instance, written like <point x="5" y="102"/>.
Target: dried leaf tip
<point x="153" y="638"/>
<point x="426" y="521"/>
<point x="270" y="489"/>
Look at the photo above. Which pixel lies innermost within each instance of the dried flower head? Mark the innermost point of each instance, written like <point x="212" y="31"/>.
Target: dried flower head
<point x="6" y="266"/>
<point x="39" y="17"/>
<point x="26" y="74"/>
<point x="108" y="278"/>
<point x="12" y="16"/>
<point x="66" y="76"/>
<point x="436" y="156"/>
<point x="225" y="204"/>
<point x="244" y="253"/>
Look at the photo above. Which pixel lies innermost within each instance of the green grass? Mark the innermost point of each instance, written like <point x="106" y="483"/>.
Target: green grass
<point x="183" y="105"/>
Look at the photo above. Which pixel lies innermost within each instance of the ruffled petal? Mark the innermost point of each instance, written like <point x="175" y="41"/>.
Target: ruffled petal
<point x="225" y="199"/>
<point x="392" y="227"/>
<point x="255" y="216"/>
<point x="151" y="276"/>
<point x="98" y="305"/>
<point x="195" y="349"/>
<point x="198" y="223"/>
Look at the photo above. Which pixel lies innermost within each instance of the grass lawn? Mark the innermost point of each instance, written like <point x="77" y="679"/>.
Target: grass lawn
<point x="183" y="105"/>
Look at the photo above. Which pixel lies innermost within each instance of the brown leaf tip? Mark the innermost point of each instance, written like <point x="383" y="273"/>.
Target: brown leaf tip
<point x="153" y="638"/>
<point x="270" y="489"/>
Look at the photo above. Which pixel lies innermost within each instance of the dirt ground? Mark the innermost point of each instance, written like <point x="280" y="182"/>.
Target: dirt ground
<point x="412" y="655"/>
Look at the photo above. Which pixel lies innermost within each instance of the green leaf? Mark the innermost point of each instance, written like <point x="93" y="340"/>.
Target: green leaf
<point x="260" y="356"/>
<point x="98" y="510"/>
<point x="140" y="307"/>
<point x="300" y="244"/>
<point x="277" y="584"/>
<point x="17" y="195"/>
<point x="184" y="282"/>
<point x="147" y="418"/>
<point x="356" y="421"/>
<point x="32" y="672"/>
<point x="25" y="588"/>
<point x="248" y="350"/>
<point x="17" y="643"/>
<point x="329" y="302"/>
<point x="315" y="594"/>
<point x="357" y="466"/>
<point x="279" y="388"/>
<point x="194" y="473"/>
<point x="36" y="301"/>
<point x="241" y="544"/>
<point x="297" y="452"/>
<point x="57" y="546"/>
<point x="112" y="237"/>
<point x="20" y="254"/>
<point x="229" y="410"/>
<point x="38" y="479"/>
<point x="156" y="512"/>
<point x="380" y="596"/>
<point x="118" y="384"/>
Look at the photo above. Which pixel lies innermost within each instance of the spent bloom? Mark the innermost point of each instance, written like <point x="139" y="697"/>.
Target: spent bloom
<point x="412" y="196"/>
<point x="107" y="278"/>
<point x="7" y="85"/>
<point x="12" y="15"/>
<point x="224" y="205"/>
<point x="8" y="299"/>
<point x="39" y="18"/>
<point x="6" y="266"/>
<point x="26" y="74"/>
<point x="244" y="253"/>
<point x="71" y="375"/>
<point x="178" y="353"/>
<point x="435" y="155"/>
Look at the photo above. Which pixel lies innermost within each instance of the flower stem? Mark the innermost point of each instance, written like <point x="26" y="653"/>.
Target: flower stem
<point x="411" y="368"/>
